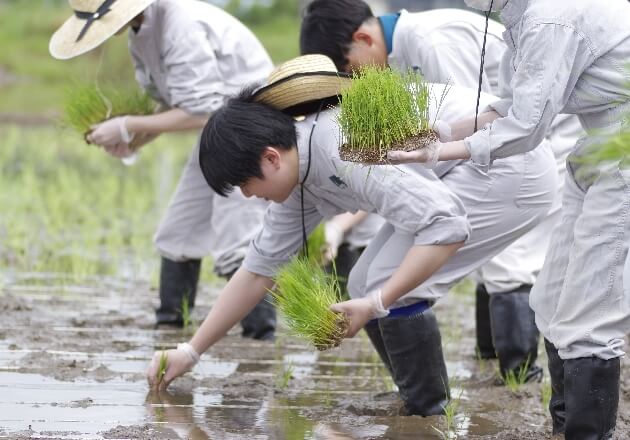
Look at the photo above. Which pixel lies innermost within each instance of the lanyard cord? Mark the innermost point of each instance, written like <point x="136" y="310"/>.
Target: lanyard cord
<point x="308" y="169"/>
<point x="483" y="59"/>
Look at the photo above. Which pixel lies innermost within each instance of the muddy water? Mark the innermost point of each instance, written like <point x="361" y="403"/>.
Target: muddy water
<point x="72" y="358"/>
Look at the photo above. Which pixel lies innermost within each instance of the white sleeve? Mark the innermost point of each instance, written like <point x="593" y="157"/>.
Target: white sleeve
<point x="281" y="235"/>
<point x="550" y="61"/>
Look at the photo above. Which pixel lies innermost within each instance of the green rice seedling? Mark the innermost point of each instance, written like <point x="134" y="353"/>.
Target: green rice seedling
<point x="613" y="148"/>
<point x="514" y="380"/>
<point x="315" y="244"/>
<point x="451" y="426"/>
<point x="88" y="104"/>
<point x="285" y="377"/>
<point x="186" y="315"/>
<point x="162" y="366"/>
<point x="384" y="110"/>
<point x="545" y="393"/>
<point x="304" y="294"/>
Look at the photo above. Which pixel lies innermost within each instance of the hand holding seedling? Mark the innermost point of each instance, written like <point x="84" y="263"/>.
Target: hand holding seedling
<point x="360" y="311"/>
<point x="170" y="364"/>
<point x="110" y="134"/>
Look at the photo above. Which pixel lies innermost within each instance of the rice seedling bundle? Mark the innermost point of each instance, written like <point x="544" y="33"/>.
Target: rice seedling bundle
<point x="383" y="110"/>
<point x="315" y="244"/>
<point x="304" y="294"/>
<point x="88" y="104"/>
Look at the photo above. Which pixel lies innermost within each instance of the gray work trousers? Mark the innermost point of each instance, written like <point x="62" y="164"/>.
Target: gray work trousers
<point x="198" y="222"/>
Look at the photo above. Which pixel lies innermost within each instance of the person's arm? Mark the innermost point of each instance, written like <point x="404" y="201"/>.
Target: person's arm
<point x="174" y="119"/>
<point x="336" y="228"/>
<point x="240" y="295"/>
<point x="417" y="267"/>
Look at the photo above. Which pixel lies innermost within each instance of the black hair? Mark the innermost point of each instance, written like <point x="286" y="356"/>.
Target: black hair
<point x="235" y="137"/>
<point x="328" y="26"/>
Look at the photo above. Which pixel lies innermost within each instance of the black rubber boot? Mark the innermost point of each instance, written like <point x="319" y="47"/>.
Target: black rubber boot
<point x="374" y="333"/>
<point x="591" y="393"/>
<point x="514" y="333"/>
<point x="414" y="348"/>
<point x="485" y="347"/>
<point x="556" y="403"/>
<point x="178" y="279"/>
<point x="260" y="323"/>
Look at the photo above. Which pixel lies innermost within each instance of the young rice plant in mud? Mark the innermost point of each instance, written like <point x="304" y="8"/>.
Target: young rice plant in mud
<point x="304" y="294"/>
<point x="187" y="321"/>
<point x="285" y="377"/>
<point x="88" y="104"/>
<point x="514" y="380"/>
<point x="545" y="393"/>
<point x="451" y="426"/>
<point x="384" y="110"/>
<point x="162" y="366"/>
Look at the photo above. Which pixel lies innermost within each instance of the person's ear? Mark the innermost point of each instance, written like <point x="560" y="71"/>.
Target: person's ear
<point x="360" y="36"/>
<point x="271" y="156"/>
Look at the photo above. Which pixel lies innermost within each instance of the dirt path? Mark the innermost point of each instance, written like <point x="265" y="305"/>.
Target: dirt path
<point x="72" y="359"/>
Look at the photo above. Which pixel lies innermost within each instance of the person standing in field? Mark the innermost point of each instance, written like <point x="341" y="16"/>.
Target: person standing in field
<point x="444" y="46"/>
<point x="567" y="56"/>
<point x="189" y="56"/>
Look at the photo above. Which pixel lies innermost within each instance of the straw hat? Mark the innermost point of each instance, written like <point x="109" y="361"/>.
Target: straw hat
<point x="93" y="22"/>
<point x="299" y="85"/>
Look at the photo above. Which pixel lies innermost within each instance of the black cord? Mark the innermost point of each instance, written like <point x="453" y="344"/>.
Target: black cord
<point x="483" y="59"/>
<point x="308" y="169"/>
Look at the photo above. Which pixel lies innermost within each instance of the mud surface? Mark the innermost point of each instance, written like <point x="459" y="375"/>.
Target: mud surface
<point x="72" y="359"/>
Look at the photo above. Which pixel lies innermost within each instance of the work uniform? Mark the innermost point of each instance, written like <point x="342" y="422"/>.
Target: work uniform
<point x="419" y="209"/>
<point x="192" y="55"/>
<point x="571" y="56"/>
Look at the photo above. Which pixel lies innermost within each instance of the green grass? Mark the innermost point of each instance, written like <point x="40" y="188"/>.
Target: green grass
<point x="514" y="380"/>
<point x="382" y="108"/>
<point x="282" y="381"/>
<point x="162" y="366"/>
<point x="36" y="81"/>
<point x="545" y="393"/>
<point x="304" y="294"/>
<point x="69" y="208"/>
<point x="451" y="426"/>
<point x="88" y="104"/>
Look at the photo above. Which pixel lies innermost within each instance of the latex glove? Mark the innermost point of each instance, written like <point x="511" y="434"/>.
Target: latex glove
<point x="361" y="310"/>
<point x="121" y="150"/>
<point x="334" y="238"/>
<point x="426" y="156"/>
<point x="443" y="130"/>
<point x="178" y="362"/>
<point x="110" y="133"/>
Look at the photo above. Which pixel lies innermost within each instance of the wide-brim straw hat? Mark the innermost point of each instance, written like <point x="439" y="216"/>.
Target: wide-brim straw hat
<point x="65" y="44"/>
<point x="299" y="86"/>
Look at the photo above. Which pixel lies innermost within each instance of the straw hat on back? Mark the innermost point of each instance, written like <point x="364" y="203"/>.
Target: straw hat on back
<point x="298" y="86"/>
<point x="93" y="22"/>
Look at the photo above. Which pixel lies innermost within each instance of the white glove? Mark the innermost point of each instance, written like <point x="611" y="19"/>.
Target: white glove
<point x="426" y="156"/>
<point x="178" y="362"/>
<point x="110" y="133"/>
<point x="378" y="311"/>
<point x="334" y="238"/>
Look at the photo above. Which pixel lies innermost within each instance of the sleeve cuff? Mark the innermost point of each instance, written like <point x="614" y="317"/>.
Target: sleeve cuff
<point x="262" y="265"/>
<point x="502" y="106"/>
<point x="478" y="145"/>
<point x="447" y="230"/>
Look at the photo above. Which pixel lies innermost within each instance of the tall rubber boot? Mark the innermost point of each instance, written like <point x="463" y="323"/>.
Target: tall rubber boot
<point x="591" y="393"/>
<point x="414" y="347"/>
<point x="178" y="279"/>
<point x="260" y="323"/>
<point x="514" y="333"/>
<point x="374" y="333"/>
<point x="485" y="347"/>
<point x="556" y="403"/>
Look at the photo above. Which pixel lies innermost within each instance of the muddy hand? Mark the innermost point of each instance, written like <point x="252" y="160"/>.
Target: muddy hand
<point x="168" y="365"/>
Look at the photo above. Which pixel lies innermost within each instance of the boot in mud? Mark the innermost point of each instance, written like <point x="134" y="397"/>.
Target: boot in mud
<point x="260" y="323"/>
<point x="556" y="403"/>
<point x="515" y="334"/>
<point x="485" y="346"/>
<point x="591" y="393"/>
<point x="374" y="333"/>
<point x="414" y="348"/>
<point x="178" y="280"/>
